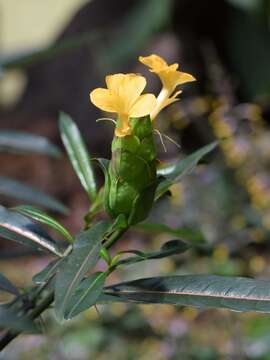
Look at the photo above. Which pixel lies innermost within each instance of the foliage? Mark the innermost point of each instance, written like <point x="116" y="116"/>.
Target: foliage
<point x="66" y="279"/>
<point x="74" y="291"/>
<point x="83" y="264"/>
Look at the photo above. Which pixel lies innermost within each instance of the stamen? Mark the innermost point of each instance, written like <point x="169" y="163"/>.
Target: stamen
<point x="161" y="139"/>
<point x="168" y="138"/>
<point x="173" y="141"/>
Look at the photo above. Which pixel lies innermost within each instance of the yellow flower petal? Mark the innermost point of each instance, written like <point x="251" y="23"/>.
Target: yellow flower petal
<point x="155" y="62"/>
<point x="171" y="78"/>
<point x="123" y="96"/>
<point x="183" y="78"/>
<point x="143" y="106"/>
<point x="105" y="100"/>
<point x="127" y="86"/>
<point x="113" y="82"/>
<point x="173" y="67"/>
<point x="169" y="75"/>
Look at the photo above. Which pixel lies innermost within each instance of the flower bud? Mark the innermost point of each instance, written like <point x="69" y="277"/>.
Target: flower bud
<point x="131" y="180"/>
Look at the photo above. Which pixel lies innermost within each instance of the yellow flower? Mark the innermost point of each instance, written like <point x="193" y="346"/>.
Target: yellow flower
<point x="170" y="78"/>
<point x="123" y="96"/>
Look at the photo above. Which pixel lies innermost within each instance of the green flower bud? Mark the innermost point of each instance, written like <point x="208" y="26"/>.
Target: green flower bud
<point x="131" y="180"/>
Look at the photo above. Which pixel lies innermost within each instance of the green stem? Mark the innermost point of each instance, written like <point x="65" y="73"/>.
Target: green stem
<point x="114" y="237"/>
<point x="48" y="300"/>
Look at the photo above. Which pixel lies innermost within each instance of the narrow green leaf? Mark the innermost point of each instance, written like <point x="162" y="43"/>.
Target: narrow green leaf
<point x="96" y="207"/>
<point x="170" y="248"/>
<point x="45" y="274"/>
<point x="104" y="164"/>
<point x="174" y="172"/>
<point x="186" y="233"/>
<point x="83" y="258"/>
<point x="87" y="294"/>
<point x="25" y="143"/>
<point x="44" y="218"/>
<point x="7" y="286"/>
<point x="16" y="227"/>
<point x="78" y="154"/>
<point x="10" y="320"/>
<point x="20" y="191"/>
<point x="234" y="293"/>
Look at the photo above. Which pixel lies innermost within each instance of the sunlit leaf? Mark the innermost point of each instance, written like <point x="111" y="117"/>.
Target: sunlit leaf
<point x="86" y="294"/>
<point x="78" y="154"/>
<point x="83" y="258"/>
<point x="7" y="286"/>
<point x="172" y="173"/>
<point x="44" y="218"/>
<point x="16" y="227"/>
<point x="15" y="189"/>
<point x="234" y="293"/>
<point x="25" y="143"/>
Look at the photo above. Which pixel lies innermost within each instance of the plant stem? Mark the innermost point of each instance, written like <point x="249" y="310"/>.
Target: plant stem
<point x="48" y="300"/>
<point x="10" y="335"/>
<point x="114" y="237"/>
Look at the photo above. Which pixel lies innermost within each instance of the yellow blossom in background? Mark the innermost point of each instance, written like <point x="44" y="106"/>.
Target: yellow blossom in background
<point x="170" y="77"/>
<point x="221" y="254"/>
<point x="123" y="96"/>
<point x="257" y="264"/>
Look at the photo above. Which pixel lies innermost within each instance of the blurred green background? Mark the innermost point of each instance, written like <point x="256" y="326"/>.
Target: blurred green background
<point x="51" y="55"/>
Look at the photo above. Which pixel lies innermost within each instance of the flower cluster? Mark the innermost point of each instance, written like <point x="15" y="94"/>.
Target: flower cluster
<point x="124" y="93"/>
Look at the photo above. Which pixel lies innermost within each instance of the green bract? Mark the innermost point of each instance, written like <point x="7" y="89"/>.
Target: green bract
<point x="131" y="180"/>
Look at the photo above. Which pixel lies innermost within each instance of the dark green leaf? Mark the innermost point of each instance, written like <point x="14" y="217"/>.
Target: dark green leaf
<point x="170" y="248"/>
<point x="7" y="286"/>
<point x="44" y="218"/>
<point x="190" y="234"/>
<point x="87" y="294"/>
<point x="78" y="154"/>
<point x="20" y="191"/>
<point x="234" y="293"/>
<point x="10" y="320"/>
<point x="16" y="227"/>
<point x="45" y="274"/>
<point x="25" y="143"/>
<point x="83" y="258"/>
<point x="174" y="172"/>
